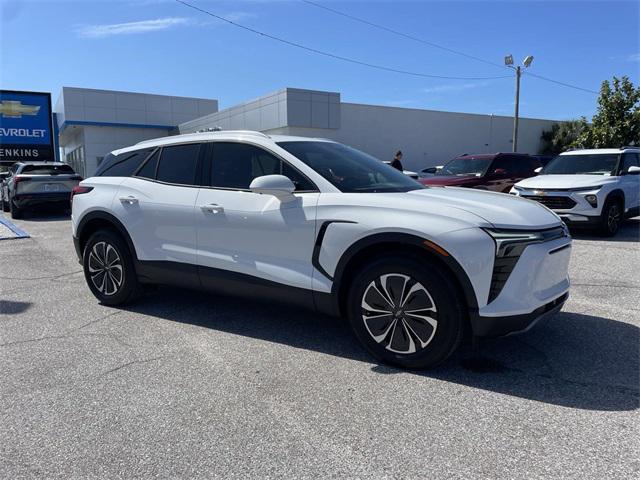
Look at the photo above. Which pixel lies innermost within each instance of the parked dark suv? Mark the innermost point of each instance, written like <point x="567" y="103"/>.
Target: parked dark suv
<point x="495" y="171"/>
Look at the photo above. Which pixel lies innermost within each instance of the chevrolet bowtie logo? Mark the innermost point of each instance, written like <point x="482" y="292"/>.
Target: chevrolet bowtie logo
<point x="15" y="109"/>
<point x="540" y="193"/>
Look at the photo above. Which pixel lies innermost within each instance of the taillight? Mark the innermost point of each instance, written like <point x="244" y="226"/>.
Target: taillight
<point x="17" y="179"/>
<point x="79" y="190"/>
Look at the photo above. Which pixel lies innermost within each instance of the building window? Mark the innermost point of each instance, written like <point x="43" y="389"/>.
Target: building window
<point x="75" y="158"/>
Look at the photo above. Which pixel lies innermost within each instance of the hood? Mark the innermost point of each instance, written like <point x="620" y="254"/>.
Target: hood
<point x="451" y="180"/>
<point x="563" y="182"/>
<point x="501" y="210"/>
<point x="465" y="206"/>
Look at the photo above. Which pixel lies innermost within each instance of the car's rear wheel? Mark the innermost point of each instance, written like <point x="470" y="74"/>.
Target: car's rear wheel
<point x="406" y="312"/>
<point x="16" y="212"/>
<point x="611" y="217"/>
<point x="109" y="269"/>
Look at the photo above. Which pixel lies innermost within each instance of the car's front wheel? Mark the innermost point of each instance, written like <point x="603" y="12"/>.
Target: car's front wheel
<point x="406" y="312"/>
<point x="611" y="217"/>
<point x="109" y="269"/>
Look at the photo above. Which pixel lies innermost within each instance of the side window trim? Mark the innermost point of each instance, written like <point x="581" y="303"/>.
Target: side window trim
<point x="210" y="155"/>
<point x="144" y="162"/>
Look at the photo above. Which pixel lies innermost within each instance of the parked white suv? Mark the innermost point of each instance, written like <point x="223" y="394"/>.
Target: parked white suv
<point x="320" y="224"/>
<point x="589" y="188"/>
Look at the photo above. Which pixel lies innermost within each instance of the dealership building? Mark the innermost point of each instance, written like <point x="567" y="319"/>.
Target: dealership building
<point x="89" y="123"/>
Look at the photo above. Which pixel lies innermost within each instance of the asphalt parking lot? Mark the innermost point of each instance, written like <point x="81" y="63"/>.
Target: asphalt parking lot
<point x="186" y="384"/>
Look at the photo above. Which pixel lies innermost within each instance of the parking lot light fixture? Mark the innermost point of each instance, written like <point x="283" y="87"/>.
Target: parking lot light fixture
<point x="508" y="61"/>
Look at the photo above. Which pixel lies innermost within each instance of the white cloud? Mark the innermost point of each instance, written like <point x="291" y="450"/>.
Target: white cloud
<point x="142" y="26"/>
<point x="238" y="16"/>
<point x="634" y="57"/>
<point x="453" y="87"/>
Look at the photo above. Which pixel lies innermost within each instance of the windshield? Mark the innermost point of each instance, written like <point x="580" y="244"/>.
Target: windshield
<point x="466" y="166"/>
<point x="598" y="164"/>
<point x="47" y="170"/>
<point x="350" y="170"/>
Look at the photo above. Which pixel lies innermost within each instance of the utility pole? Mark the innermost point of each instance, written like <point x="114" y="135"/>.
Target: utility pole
<point x="515" y="116"/>
<point x="508" y="61"/>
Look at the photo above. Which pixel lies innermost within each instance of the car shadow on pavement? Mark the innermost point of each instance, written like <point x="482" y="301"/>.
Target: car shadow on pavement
<point x="629" y="232"/>
<point x="45" y="215"/>
<point x="571" y="360"/>
<point x="8" y="307"/>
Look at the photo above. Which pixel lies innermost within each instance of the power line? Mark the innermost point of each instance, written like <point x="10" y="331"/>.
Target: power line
<point x="402" y="34"/>
<point x="332" y="55"/>
<point x="435" y="45"/>
<point x="559" y="83"/>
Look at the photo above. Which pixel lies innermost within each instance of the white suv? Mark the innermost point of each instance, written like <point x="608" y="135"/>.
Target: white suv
<point x="320" y="224"/>
<point x="589" y="188"/>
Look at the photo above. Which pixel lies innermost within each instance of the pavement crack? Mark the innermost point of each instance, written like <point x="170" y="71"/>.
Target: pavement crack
<point x="104" y="317"/>
<point x="46" y="277"/>
<point x="133" y="362"/>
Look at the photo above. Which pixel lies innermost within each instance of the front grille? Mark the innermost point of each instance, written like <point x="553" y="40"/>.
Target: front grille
<point x="554" y="203"/>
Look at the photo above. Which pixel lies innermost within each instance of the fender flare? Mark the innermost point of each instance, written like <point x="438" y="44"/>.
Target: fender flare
<point x="113" y="220"/>
<point x="405" y="238"/>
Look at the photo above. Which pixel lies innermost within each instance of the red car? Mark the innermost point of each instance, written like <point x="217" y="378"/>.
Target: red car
<point x="494" y="171"/>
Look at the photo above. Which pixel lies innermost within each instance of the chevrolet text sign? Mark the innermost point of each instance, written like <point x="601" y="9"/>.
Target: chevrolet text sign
<point x="26" y="131"/>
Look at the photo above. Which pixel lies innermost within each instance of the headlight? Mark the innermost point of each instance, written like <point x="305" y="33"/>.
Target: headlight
<point x="512" y="242"/>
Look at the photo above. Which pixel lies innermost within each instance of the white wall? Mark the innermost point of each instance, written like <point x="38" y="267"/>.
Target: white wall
<point x="108" y="106"/>
<point x="426" y="137"/>
<point x="99" y="141"/>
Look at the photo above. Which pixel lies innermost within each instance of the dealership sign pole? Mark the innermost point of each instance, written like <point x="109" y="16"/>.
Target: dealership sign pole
<point x="26" y="129"/>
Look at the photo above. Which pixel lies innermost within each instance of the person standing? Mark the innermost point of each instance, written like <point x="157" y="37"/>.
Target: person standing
<point x="396" y="162"/>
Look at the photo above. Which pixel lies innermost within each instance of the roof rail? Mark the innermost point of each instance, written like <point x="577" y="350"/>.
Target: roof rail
<point x="241" y="132"/>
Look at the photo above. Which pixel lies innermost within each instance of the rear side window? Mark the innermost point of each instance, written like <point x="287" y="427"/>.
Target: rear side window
<point x="631" y="160"/>
<point x="47" y="170"/>
<point x="124" y="164"/>
<point x="235" y="165"/>
<point x="178" y="164"/>
<point x="148" y="170"/>
<point x="506" y="163"/>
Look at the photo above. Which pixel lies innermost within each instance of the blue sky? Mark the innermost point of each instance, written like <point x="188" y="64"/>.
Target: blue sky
<point x="160" y="46"/>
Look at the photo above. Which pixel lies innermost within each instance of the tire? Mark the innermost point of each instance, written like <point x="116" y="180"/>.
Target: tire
<point x="611" y="217"/>
<point x="425" y="338"/>
<point x="118" y="284"/>
<point x="15" y="211"/>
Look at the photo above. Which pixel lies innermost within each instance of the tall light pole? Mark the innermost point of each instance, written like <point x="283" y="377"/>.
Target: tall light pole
<point x="508" y="61"/>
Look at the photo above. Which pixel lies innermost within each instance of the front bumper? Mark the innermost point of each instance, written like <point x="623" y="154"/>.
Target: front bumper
<point x="533" y="283"/>
<point x="512" y="324"/>
<point x="579" y="221"/>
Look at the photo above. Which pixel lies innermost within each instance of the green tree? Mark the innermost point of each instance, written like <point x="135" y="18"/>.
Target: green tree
<point x="617" y="121"/>
<point x="561" y="137"/>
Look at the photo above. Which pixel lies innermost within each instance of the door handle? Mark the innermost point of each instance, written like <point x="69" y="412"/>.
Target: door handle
<point x="212" y="208"/>
<point x="130" y="200"/>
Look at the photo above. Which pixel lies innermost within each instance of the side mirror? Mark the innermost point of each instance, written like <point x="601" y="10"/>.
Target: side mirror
<point x="538" y="170"/>
<point x="633" y="170"/>
<point x="430" y="170"/>
<point x="277" y="185"/>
